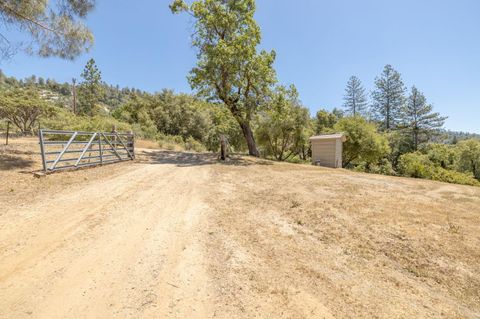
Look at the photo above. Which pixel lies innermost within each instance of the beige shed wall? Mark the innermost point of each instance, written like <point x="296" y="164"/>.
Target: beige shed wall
<point x="325" y="152"/>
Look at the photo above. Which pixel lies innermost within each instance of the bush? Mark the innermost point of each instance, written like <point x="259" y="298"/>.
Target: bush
<point x="171" y="142"/>
<point x="420" y="166"/>
<point x="415" y="165"/>
<point x="364" y="144"/>
<point x="455" y="177"/>
<point x="383" y="167"/>
<point x="193" y="145"/>
<point x="469" y="157"/>
<point x="63" y="119"/>
<point x="440" y="154"/>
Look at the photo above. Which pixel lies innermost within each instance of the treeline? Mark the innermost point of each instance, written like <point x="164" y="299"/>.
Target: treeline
<point x="282" y="127"/>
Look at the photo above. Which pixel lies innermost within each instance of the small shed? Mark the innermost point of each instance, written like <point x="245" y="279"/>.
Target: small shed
<point x="327" y="150"/>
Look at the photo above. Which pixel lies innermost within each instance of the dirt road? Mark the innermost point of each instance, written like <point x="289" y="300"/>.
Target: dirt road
<point x="124" y="246"/>
<point x="181" y="236"/>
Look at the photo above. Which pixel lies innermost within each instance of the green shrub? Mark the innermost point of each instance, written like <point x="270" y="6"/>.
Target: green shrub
<point x="193" y="145"/>
<point x="383" y="167"/>
<point x="63" y="119"/>
<point x="448" y="176"/>
<point x="415" y="165"/>
<point x="364" y="143"/>
<point x="469" y="157"/>
<point x="420" y="166"/>
<point x="440" y="154"/>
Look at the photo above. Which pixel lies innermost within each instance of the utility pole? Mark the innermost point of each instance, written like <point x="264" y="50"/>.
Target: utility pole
<point x="74" y="94"/>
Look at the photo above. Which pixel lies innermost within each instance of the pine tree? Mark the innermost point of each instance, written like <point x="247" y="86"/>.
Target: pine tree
<point x="418" y="119"/>
<point x="388" y="98"/>
<point x="91" y="90"/>
<point x="355" y="98"/>
<point x="51" y="29"/>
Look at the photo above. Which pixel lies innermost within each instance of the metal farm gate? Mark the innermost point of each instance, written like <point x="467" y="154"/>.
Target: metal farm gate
<point x="62" y="150"/>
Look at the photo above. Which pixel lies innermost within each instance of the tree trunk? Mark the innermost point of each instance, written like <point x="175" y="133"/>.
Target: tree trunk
<point x="223" y="148"/>
<point x="415" y="140"/>
<point x="249" y="138"/>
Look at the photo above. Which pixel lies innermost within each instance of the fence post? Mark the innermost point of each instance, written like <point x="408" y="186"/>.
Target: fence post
<point x="114" y="131"/>
<point x="8" y="132"/>
<point x="100" y="148"/>
<point x="133" y="144"/>
<point x="42" y="150"/>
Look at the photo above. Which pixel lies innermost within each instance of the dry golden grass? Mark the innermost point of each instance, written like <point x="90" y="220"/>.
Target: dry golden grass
<point x="273" y="240"/>
<point x="356" y="245"/>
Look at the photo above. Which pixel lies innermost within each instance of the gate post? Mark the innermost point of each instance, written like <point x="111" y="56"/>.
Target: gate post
<point x="100" y="147"/>
<point x="42" y="150"/>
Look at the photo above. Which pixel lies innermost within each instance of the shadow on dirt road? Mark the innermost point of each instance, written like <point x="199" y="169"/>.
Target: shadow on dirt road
<point x="182" y="159"/>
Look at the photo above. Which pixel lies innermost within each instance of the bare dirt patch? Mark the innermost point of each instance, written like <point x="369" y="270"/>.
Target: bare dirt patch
<point x="180" y="235"/>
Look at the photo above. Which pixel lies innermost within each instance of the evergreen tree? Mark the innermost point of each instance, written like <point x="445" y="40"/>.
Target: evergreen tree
<point x="324" y="121"/>
<point x="388" y="98"/>
<point x="418" y="118"/>
<point x="355" y="98"/>
<point x="91" y="90"/>
<point x="54" y="29"/>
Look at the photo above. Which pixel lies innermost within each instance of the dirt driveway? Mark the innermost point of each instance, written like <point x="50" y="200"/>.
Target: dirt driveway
<point x="178" y="235"/>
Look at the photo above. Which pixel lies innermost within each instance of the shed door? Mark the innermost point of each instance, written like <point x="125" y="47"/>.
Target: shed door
<point x="324" y="151"/>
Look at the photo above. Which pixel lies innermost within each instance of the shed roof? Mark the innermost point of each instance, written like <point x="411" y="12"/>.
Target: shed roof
<point x="328" y="137"/>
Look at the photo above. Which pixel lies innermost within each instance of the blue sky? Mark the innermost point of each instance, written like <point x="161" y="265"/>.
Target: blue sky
<point x="434" y="44"/>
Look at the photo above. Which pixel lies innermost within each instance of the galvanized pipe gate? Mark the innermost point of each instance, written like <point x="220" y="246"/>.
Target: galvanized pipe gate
<point x="62" y="150"/>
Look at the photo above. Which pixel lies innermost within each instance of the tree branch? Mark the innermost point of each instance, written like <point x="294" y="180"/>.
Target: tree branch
<point x="24" y="17"/>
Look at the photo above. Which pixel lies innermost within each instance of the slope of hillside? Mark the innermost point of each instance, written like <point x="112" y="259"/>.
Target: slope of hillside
<point x="179" y="235"/>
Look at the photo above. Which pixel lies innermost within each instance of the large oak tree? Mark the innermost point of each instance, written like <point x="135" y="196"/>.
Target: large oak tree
<point x="229" y="68"/>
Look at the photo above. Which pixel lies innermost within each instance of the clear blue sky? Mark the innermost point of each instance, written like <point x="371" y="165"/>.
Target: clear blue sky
<point x="435" y="44"/>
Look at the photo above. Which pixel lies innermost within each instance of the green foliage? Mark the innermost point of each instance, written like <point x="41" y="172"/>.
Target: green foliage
<point x="469" y="157"/>
<point x="399" y="144"/>
<point x="454" y="177"/>
<point x="179" y="115"/>
<point x="62" y="119"/>
<point x="419" y="122"/>
<point x="192" y="144"/>
<point x="355" y="100"/>
<point x="324" y="121"/>
<point x="419" y="165"/>
<point x="136" y="112"/>
<point x="283" y="129"/>
<point x="388" y="98"/>
<point x="222" y="123"/>
<point x="364" y="144"/>
<point x="90" y="91"/>
<point x="55" y="30"/>
<point x="229" y="68"/>
<point x="383" y="167"/>
<point x="167" y="114"/>
<point x="416" y="165"/>
<point x="442" y="155"/>
<point x="23" y="108"/>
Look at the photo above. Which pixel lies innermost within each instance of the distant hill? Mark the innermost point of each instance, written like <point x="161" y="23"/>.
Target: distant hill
<point x="61" y="93"/>
<point x="452" y="136"/>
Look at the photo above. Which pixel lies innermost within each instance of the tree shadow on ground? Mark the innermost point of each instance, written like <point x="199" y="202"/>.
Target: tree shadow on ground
<point x="182" y="159"/>
<point x="9" y="162"/>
